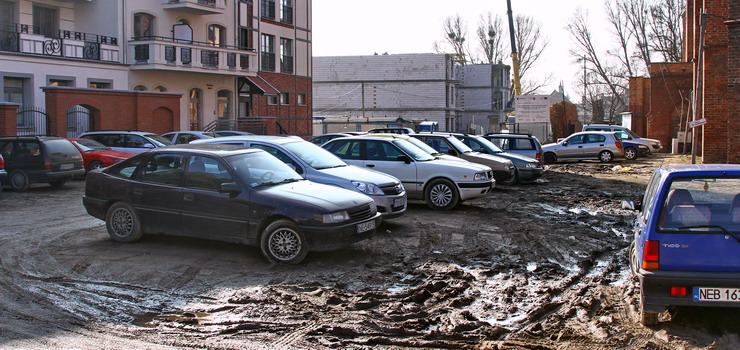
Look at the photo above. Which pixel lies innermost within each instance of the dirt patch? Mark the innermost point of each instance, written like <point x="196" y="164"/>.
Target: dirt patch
<point x="539" y="265"/>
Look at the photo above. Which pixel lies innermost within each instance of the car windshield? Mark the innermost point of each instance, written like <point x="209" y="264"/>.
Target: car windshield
<point x="459" y="145"/>
<point x="488" y="145"/>
<point x="696" y="205"/>
<point x="426" y="148"/>
<point x="260" y="169"/>
<point x="90" y="145"/>
<point x="159" y="141"/>
<point x="416" y="153"/>
<point x="315" y="156"/>
<point x="631" y="133"/>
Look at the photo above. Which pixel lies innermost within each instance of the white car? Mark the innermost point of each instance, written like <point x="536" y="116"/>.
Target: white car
<point x="184" y="137"/>
<point x="441" y="183"/>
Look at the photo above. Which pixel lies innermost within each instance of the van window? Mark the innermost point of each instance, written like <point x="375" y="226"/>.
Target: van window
<point x="61" y="146"/>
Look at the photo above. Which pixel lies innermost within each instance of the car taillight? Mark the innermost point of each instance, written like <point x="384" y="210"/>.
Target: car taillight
<point x="619" y="145"/>
<point x="2" y="163"/>
<point x="678" y="291"/>
<point x="47" y="164"/>
<point x="538" y="156"/>
<point x="651" y="255"/>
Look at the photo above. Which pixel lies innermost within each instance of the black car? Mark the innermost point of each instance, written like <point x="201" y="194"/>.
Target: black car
<point x="32" y="159"/>
<point x="228" y="193"/>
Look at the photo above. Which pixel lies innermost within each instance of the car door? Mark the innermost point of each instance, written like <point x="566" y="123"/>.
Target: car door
<point x="593" y="144"/>
<point x="157" y="193"/>
<point x="384" y="156"/>
<point x="206" y="212"/>
<point x="572" y="147"/>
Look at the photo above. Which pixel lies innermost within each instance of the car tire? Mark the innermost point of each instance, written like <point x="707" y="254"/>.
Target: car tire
<point x="633" y="261"/>
<point x="606" y="156"/>
<point x="550" y="158"/>
<point x="283" y="242"/>
<point x="122" y="223"/>
<point x="57" y="183"/>
<point x="95" y="165"/>
<point x="630" y="153"/>
<point x="513" y="179"/>
<point x="441" y="194"/>
<point x="18" y="181"/>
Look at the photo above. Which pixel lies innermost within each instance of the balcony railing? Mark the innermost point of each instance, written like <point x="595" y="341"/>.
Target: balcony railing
<point x="198" y="6"/>
<point x="24" y="38"/>
<point x="171" y="54"/>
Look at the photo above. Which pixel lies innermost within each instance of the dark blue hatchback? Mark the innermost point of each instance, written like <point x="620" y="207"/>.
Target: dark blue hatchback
<point x="686" y="249"/>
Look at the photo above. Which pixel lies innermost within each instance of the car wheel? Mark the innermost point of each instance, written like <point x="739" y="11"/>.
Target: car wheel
<point x="122" y="223"/>
<point x="441" y="194"/>
<point x="633" y="261"/>
<point x="513" y="179"/>
<point x="551" y="158"/>
<point x="630" y="153"/>
<point x="95" y="165"/>
<point x="57" y="183"/>
<point x="283" y="242"/>
<point x="606" y="156"/>
<point x="19" y="181"/>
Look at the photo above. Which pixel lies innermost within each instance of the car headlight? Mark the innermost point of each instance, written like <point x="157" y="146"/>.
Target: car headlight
<point x="335" y="217"/>
<point x="480" y="177"/>
<point x="532" y="165"/>
<point x="368" y="188"/>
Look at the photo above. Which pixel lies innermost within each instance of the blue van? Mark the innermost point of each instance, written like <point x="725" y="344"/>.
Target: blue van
<point x="686" y="250"/>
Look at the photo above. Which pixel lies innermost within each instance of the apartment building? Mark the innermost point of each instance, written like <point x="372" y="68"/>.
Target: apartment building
<point x="227" y="63"/>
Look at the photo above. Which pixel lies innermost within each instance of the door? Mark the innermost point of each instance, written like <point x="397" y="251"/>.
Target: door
<point x="572" y="148"/>
<point x="157" y="196"/>
<point x="593" y="145"/>
<point x="205" y="211"/>
<point x="387" y="158"/>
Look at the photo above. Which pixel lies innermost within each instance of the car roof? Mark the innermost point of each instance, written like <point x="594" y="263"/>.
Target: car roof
<point x="701" y="168"/>
<point x="40" y="138"/>
<point x="520" y="136"/>
<point x="136" y="132"/>
<point x="265" y="138"/>
<point x="207" y="148"/>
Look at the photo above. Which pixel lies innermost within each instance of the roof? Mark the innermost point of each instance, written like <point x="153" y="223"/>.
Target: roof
<point x="262" y="85"/>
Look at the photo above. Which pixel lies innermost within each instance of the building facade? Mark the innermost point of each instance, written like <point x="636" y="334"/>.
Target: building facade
<point x="485" y="94"/>
<point x="229" y="60"/>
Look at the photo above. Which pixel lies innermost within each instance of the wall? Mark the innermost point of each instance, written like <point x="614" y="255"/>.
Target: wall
<point x="733" y="85"/>
<point x="715" y="101"/>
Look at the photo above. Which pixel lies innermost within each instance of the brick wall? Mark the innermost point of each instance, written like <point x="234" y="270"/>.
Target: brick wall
<point x="8" y="118"/>
<point x="715" y="102"/>
<point x="733" y="85"/>
<point x="670" y="101"/>
<point x="294" y="118"/>
<point x="564" y="119"/>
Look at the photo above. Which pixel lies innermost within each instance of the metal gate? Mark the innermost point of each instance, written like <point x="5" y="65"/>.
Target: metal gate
<point x="31" y="121"/>
<point x="78" y="121"/>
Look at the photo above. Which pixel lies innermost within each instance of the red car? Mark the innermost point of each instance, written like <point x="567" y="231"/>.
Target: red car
<point x="95" y="155"/>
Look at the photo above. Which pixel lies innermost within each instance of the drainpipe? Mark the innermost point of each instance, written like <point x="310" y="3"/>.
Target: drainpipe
<point x="699" y="77"/>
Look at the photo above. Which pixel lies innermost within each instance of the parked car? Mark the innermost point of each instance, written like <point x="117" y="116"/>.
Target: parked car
<point x="442" y="184"/>
<point x="525" y="169"/>
<point x="227" y="193"/>
<point x="624" y="133"/>
<point x="321" y="139"/>
<point x="686" y="248"/>
<point x="600" y="145"/>
<point x="524" y="144"/>
<point x="3" y="173"/>
<point x="318" y="165"/>
<point x="127" y="141"/>
<point x="95" y="155"/>
<point x="222" y="133"/>
<point x="33" y="159"/>
<point x="391" y="131"/>
<point x="633" y="150"/>
<point x="421" y="144"/>
<point x="184" y="137"/>
<point x="503" y="169"/>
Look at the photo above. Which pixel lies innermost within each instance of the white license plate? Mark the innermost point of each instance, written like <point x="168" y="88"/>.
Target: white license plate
<point x="366" y="226"/>
<point x="398" y="202"/>
<point x="66" y="166"/>
<point x="716" y="294"/>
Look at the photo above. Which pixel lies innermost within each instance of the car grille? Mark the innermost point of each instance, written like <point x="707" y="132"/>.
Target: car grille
<point x="392" y="190"/>
<point x="362" y="212"/>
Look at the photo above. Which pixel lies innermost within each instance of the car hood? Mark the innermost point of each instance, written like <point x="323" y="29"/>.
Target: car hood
<point x="449" y="157"/>
<point x="483" y="158"/>
<point x="111" y="154"/>
<point x="551" y="146"/>
<point x="516" y="157"/>
<point x="352" y="172"/>
<point x="461" y="166"/>
<point x="329" y="198"/>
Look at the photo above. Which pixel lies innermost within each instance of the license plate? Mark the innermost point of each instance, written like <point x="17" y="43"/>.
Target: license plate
<point x="365" y="226"/>
<point x="66" y="166"/>
<point x="716" y="294"/>
<point x="399" y="202"/>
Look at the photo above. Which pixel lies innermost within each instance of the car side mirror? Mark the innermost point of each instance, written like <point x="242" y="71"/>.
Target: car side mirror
<point x="565" y="143"/>
<point x="231" y="188"/>
<point x="451" y="152"/>
<point x="404" y="158"/>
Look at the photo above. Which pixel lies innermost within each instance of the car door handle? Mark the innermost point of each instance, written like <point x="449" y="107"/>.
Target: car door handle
<point x="188" y="197"/>
<point x="138" y="191"/>
<point x="580" y="146"/>
<point x="370" y="165"/>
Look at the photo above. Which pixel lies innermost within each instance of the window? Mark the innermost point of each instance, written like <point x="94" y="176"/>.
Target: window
<point x="268" y="9"/>
<point x="245" y="38"/>
<point x="7" y="16"/>
<point x="286" y="11"/>
<point x="280" y="155"/>
<point x="216" y="35"/>
<point x="143" y="25"/>
<point x="61" y="82"/>
<point x="160" y="88"/>
<point x="498" y="100"/>
<point x="99" y="85"/>
<point x="223" y="107"/>
<point x="163" y="168"/>
<point x="195" y="108"/>
<point x="284" y="99"/>
<point x="126" y="168"/>
<point x="45" y="21"/>
<point x="268" y="52"/>
<point x="139" y="88"/>
<point x="13" y="90"/>
<point x="301" y="99"/>
<point x="286" y="55"/>
<point x="272" y="99"/>
<point x="206" y="173"/>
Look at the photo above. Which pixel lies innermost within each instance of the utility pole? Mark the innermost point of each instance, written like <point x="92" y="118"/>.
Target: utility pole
<point x="514" y="55"/>
<point x="699" y="76"/>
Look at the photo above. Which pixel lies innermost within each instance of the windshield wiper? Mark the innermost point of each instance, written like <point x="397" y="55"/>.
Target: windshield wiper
<point x="331" y="166"/>
<point x="273" y="183"/>
<point x="734" y="235"/>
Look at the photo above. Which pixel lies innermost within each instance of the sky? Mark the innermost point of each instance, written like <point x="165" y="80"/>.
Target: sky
<point x="364" y="27"/>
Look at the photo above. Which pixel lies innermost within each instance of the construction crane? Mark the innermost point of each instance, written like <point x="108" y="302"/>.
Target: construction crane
<point x="514" y="55"/>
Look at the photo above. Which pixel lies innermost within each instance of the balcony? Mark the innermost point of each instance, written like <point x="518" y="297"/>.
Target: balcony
<point x="159" y="53"/>
<point x="28" y="39"/>
<point x="203" y="7"/>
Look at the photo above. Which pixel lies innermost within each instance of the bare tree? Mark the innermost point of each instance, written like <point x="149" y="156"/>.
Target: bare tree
<point x="637" y="13"/>
<point x="530" y="41"/>
<point x="455" y="32"/>
<point x="490" y="38"/>
<point x="666" y="36"/>
<point x="618" y="23"/>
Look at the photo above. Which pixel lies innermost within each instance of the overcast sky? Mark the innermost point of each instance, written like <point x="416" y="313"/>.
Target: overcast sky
<point x="362" y="27"/>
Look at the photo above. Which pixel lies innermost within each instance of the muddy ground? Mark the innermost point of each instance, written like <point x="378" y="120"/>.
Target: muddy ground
<point x="539" y="265"/>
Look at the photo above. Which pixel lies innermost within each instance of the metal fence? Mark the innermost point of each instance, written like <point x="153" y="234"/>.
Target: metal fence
<point x="32" y="121"/>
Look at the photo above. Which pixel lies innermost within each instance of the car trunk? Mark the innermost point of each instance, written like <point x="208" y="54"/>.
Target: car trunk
<point x="700" y="251"/>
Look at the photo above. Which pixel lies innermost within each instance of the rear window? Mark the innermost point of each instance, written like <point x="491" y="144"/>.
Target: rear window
<point x="61" y="146"/>
<point x="126" y="168"/>
<point x="521" y="144"/>
<point x="701" y="204"/>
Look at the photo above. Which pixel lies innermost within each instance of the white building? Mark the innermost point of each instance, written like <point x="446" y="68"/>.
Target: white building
<point x="485" y="92"/>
